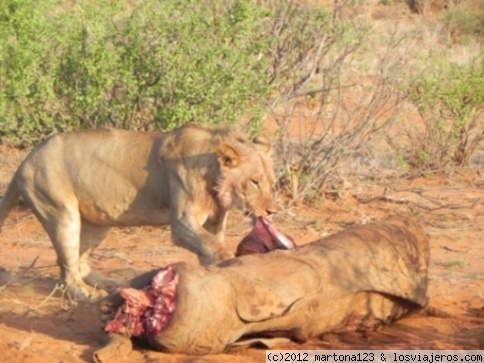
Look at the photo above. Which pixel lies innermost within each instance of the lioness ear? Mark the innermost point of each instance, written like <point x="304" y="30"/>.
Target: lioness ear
<point x="263" y="144"/>
<point x="228" y="156"/>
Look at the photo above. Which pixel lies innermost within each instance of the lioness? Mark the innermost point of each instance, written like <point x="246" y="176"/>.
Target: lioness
<point x="79" y="184"/>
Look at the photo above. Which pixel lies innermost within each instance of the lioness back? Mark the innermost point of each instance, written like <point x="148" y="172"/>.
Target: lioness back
<point x="112" y="176"/>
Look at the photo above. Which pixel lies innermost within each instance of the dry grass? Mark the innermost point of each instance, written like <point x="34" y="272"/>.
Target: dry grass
<point x="354" y="121"/>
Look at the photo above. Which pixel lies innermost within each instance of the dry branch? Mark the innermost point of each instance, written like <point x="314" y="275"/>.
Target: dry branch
<point x="436" y="203"/>
<point x="24" y="272"/>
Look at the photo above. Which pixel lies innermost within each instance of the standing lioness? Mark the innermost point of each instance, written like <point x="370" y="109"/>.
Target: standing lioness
<point x="79" y="184"/>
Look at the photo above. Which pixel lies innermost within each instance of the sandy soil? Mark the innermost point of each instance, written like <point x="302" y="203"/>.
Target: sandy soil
<point x="37" y="328"/>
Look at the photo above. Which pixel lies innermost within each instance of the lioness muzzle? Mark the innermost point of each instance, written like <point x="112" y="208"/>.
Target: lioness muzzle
<point x="357" y="279"/>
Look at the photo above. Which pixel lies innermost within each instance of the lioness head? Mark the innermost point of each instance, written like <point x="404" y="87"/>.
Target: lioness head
<point x="246" y="177"/>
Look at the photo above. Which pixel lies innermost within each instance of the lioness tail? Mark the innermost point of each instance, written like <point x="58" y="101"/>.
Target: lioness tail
<point x="8" y="200"/>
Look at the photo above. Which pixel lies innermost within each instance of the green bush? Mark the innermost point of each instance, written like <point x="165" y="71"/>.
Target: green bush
<point x="465" y="20"/>
<point x="153" y="65"/>
<point x="27" y="66"/>
<point x="450" y="100"/>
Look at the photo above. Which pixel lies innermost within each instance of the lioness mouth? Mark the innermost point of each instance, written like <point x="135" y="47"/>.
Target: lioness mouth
<point x="145" y="312"/>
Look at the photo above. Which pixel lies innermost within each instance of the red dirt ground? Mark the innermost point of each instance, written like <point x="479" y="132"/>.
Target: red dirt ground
<point x="34" y="328"/>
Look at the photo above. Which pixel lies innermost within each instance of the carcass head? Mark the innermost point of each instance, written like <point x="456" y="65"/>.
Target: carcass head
<point x="264" y="237"/>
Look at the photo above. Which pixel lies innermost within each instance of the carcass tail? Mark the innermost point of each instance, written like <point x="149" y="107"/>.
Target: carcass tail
<point x="8" y="201"/>
<point x="436" y="312"/>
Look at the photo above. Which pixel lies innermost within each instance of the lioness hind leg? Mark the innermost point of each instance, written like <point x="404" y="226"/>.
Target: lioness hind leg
<point x="91" y="236"/>
<point x="64" y="230"/>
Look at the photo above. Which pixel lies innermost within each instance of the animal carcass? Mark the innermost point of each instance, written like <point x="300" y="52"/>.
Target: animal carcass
<point x="357" y="279"/>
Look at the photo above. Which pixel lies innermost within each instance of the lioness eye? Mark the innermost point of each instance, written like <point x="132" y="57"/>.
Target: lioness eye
<point x="255" y="183"/>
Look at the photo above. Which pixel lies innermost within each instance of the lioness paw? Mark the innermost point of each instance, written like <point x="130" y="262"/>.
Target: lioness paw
<point x="83" y="292"/>
<point x="219" y="256"/>
<point x="225" y="255"/>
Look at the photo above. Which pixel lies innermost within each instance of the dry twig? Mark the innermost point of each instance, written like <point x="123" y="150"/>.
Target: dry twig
<point x="24" y="272"/>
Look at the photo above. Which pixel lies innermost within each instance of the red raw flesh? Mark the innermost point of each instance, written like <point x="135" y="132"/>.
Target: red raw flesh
<point x="263" y="238"/>
<point x="146" y="312"/>
<point x="281" y="240"/>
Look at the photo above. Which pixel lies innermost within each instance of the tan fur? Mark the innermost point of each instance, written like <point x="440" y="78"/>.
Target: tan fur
<point x="79" y="184"/>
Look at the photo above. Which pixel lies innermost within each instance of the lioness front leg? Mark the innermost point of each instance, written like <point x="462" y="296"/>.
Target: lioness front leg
<point x="209" y="247"/>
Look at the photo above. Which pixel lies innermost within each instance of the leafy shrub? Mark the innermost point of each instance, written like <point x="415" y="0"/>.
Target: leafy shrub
<point x="464" y="18"/>
<point x="450" y="100"/>
<point x="150" y="66"/>
<point x="27" y="66"/>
